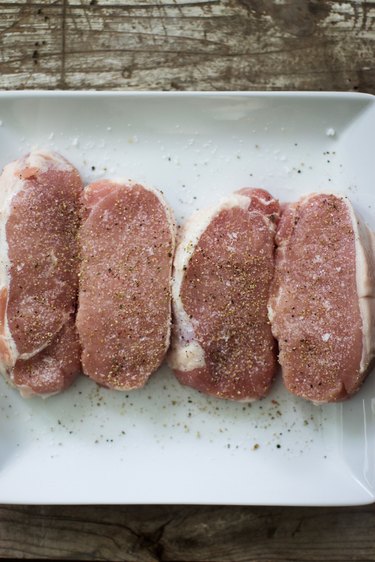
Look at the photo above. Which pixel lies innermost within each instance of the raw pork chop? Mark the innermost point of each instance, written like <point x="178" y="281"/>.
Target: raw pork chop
<point x="322" y="304"/>
<point x="222" y="342"/>
<point x="124" y="316"/>
<point x="39" y="202"/>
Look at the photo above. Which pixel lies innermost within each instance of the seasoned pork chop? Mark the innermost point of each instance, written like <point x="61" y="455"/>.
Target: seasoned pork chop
<point x="221" y="340"/>
<point x="39" y="203"/>
<point x="322" y="304"/>
<point x="127" y="245"/>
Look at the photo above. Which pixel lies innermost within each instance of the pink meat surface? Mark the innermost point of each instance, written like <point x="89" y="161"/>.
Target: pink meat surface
<point x="322" y="302"/>
<point x="222" y="342"/>
<point x="41" y="233"/>
<point x="39" y="199"/>
<point x="53" y="369"/>
<point x="127" y="245"/>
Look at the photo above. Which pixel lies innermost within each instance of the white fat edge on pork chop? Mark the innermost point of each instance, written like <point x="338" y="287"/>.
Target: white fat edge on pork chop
<point x="10" y="185"/>
<point x="365" y="281"/>
<point x="171" y="225"/>
<point x="186" y="353"/>
<point x="42" y="159"/>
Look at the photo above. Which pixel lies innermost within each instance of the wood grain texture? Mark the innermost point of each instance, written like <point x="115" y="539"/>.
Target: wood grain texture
<point x="194" y="534"/>
<point x="188" y="45"/>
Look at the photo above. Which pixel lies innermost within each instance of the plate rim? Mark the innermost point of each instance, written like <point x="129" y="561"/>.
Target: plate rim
<point x="112" y="94"/>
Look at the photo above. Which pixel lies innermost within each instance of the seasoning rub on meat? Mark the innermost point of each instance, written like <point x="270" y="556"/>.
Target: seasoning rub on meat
<point x="222" y="342"/>
<point x="322" y="306"/>
<point x="124" y="316"/>
<point x="39" y="204"/>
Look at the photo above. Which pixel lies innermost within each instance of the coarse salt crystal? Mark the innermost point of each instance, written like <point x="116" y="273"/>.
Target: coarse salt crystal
<point x="325" y="337"/>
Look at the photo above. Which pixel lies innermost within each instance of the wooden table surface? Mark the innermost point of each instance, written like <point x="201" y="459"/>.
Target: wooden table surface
<point x="188" y="45"/>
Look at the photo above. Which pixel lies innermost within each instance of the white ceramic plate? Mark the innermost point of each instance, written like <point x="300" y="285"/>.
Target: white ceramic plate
<point x="167" y="443"/>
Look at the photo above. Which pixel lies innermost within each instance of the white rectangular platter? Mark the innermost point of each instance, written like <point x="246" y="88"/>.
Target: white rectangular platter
<point x="168" y="443"/>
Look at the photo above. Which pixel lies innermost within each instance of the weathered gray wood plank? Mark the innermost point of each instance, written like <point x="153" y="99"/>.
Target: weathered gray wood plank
<point x="181" y="534"/>
<point x="182" y="44"/>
